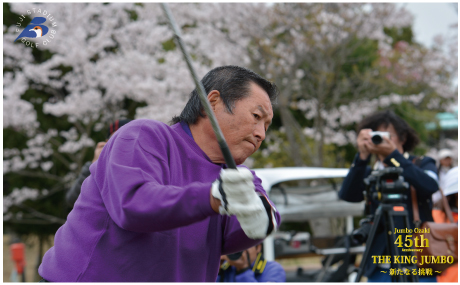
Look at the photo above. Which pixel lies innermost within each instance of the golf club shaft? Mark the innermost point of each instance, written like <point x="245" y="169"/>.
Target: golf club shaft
<point x="201" y="92"/>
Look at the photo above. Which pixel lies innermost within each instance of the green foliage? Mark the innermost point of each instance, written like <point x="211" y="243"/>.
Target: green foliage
<point x="339" y="75"/>
<point x="276" y="121"/>
<point x="400" y="34"/>
<point x="132" y="15"/>
<point x="169" y="45"/>
<point x="131" y="106"/>
<point x="41" y="56"/>
<point x="364" y="53"/>
<point x="276" y="158"/>
<point x="416" y="118"/>
<point x="10" y="18"/>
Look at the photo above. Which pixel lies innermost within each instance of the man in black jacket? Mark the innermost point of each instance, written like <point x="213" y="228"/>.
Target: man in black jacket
<point x="391" y="152"/>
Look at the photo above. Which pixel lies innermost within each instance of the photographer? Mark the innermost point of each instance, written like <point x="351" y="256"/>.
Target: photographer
<point x="390" y="152"/>
<point x="250" y="267"/>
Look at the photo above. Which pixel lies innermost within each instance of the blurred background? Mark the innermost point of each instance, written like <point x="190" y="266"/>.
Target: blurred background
<point x="334" y="63"/>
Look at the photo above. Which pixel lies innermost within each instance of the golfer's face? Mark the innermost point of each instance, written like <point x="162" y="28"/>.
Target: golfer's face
<point x="244" y="130"/>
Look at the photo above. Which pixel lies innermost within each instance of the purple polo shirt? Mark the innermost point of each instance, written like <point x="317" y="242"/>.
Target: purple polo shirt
<point x="144" y="215"/>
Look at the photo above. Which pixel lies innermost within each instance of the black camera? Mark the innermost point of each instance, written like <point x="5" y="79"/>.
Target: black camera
<point x="360" y="234"/>
<point x="389" y="184"/>
<point x="377" y="137"/>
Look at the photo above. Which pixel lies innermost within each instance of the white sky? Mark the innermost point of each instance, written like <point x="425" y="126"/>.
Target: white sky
<point x="431" y="19"/>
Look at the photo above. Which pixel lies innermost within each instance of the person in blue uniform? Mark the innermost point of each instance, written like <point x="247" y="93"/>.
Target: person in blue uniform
<point x="250" y="267"/>
<point x="419" y="172"/>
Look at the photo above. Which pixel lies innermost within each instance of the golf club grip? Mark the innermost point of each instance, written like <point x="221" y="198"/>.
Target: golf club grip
<point x="201" y="91"/>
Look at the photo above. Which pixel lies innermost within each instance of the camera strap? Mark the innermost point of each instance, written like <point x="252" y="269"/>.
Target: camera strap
<point x="223" y="267"/>
<point x="259" y="264"/>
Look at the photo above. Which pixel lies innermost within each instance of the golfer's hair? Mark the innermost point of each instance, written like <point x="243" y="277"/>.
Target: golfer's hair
<point x="385" y="118"/>
<point x="233" y="84"/>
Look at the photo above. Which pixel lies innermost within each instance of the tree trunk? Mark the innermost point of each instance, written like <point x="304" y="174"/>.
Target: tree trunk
<point x="319" y="129"/>
<point x="294" y="147"/>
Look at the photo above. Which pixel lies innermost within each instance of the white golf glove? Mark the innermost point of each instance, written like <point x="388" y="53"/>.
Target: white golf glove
<point x="236" y="191"/>
<point x="255" y="225"/>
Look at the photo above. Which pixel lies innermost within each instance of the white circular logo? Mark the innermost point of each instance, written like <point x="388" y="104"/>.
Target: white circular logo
<point x="41" y="30"/>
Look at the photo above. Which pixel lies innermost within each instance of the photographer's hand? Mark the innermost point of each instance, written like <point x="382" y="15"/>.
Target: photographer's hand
<point x="98" y="150"/>
<point x="364" y="142"/>
<point x="383" y="149"/>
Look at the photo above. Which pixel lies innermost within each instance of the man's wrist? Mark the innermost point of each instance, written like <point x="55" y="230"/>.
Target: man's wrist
<point x="359" y="161"/>
<point x="215" y="203"/>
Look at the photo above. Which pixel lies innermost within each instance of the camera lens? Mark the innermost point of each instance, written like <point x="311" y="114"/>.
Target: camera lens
<point x="361" y="234"/>
<point x="377" y="139"/>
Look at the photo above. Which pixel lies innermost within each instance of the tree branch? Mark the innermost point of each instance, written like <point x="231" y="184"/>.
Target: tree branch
<point x="38" y="174"/>
<point x="42" y="215"/>
<point x="30" y="222"/>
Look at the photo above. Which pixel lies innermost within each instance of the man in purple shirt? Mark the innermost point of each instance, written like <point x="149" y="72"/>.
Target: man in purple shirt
<point x="160" y="205"/>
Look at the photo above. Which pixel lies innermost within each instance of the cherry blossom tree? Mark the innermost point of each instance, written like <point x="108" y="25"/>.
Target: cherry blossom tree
<point x="119" y="60"/>
<point x="334" y="64"/>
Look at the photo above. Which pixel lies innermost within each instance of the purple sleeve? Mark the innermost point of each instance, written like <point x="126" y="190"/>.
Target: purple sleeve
<point x="136" y="191"/>
<point x="234" y="237"/>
